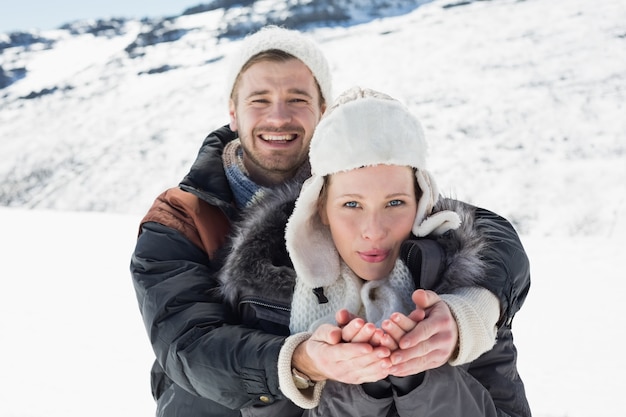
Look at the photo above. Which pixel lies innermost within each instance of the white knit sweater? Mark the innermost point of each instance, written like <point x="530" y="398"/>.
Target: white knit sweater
<point x="372" y="300"/>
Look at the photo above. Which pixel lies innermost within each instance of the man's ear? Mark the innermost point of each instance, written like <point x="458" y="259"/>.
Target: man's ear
<point x="233" y="115"/>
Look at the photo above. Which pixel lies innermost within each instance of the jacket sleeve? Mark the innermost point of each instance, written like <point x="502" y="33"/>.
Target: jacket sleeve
<point x="496" y="370"/>
<point x="507" y="272"/>
<point x="188" y="324"/>
<point x="504" y="269"/>
<point x="507" y="276"/>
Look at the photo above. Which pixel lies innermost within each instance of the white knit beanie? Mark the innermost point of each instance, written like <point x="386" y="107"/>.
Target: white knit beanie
<point x="289" y="41"/>
<point x="362" y="128"/>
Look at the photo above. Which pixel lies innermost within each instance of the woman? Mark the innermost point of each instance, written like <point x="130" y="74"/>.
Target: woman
<point x="368" y="193"/>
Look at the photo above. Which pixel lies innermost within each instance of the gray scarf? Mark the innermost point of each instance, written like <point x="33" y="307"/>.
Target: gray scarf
<point x="245" y="190"/>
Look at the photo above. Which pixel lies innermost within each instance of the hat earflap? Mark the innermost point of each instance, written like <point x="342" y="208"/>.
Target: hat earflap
<point x="437" y="223"/>
<point x="309" y="242"/>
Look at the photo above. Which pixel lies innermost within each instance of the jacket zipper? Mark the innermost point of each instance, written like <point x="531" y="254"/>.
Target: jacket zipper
<point x="265" y="304"/>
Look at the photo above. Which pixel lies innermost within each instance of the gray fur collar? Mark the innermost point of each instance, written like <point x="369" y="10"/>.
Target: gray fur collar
<point x="258" y="264"/>
<point x="464" y="248"/>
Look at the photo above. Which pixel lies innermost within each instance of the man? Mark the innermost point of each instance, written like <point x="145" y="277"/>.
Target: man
<point x="208" y="364"/>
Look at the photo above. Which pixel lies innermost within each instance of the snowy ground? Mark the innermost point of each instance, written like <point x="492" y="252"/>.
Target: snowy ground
<point x="74" y="346"/>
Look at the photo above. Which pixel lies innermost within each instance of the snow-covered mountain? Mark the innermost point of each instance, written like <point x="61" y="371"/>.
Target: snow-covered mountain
<point x="523" y="101"/>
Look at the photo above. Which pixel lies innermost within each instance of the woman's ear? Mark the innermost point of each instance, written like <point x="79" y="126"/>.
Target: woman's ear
<point x="321" y="210"/>
<point x="322" y="200"/>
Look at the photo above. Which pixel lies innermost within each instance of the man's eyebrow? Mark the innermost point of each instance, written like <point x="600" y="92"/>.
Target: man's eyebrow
<point x="257" y="93"/>
<point x="300" y="91"/>
<point x="290" y="91"/>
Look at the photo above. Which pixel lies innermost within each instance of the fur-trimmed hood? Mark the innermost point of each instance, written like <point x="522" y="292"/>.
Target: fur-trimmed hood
<point x="258" y="264"/>
<point x="257" y="261"/>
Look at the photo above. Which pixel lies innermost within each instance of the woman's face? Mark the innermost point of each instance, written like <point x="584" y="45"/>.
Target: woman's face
<point x="370" y="211"/>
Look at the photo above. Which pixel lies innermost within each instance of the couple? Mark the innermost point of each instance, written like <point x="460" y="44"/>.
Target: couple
<point x="367" y="162"/>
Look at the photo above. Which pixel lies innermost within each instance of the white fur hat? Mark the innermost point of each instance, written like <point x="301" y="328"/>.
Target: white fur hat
<point x="286" y="40"/>
<point x="362" y="128"/>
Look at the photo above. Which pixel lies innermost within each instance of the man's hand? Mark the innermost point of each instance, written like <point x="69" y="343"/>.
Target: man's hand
<point x="426" y="338"/>
<point x="327" y="356"/>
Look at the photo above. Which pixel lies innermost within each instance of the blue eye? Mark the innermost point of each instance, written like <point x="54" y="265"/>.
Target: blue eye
<point x="394" y="203"/>
<point x="351" y="204"/>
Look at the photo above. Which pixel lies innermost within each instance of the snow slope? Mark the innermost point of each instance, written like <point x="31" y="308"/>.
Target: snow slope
<point x="522" y="101"/>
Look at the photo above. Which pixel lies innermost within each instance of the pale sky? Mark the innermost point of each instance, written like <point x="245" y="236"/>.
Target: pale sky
<point x="45" y="14"/>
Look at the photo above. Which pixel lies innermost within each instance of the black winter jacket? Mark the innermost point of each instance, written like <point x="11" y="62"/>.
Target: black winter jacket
<point x="208" y="364"/>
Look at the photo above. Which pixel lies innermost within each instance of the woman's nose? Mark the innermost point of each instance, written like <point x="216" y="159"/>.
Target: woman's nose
<point x="374" y="227"/>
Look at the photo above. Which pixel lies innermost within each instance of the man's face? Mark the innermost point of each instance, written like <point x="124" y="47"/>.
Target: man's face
<point x="277" y="109"/>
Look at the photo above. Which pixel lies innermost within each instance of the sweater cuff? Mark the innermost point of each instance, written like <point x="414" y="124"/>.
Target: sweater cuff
<point x="306" y="398"/>
<point x="476" y="311"/>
